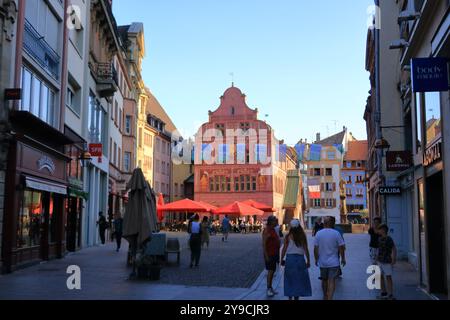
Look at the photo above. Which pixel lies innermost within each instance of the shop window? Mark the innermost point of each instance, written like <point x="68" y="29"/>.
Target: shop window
<point x="30" y="218"/>
<point x="433" y="123"/>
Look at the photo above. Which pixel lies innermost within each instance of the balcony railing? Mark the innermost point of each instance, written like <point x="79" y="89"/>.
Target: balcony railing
<point x="106" y="72"/>
<point x="35" y="45"/>
<point x="106" y="77"/>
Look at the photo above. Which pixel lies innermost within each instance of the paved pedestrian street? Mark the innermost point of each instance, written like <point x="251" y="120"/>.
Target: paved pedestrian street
<point x="228" y="271"/>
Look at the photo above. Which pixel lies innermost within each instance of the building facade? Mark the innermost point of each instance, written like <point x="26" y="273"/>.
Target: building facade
<point x="353" y="172"/>
<point x="420" y="218"/>
<point x="8" y="23"/>
<point x="36" y="181"/>
<point x="326" y="187"/>
<point x="237" y="157"/>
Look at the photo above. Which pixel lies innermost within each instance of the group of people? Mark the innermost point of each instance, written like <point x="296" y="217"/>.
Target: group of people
<point x="117" y="231"/>
<point x="383" y="253"/>
<point x="329" y="255"/>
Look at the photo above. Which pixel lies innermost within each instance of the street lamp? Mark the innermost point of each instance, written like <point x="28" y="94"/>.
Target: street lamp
<point x="85" y="158"/>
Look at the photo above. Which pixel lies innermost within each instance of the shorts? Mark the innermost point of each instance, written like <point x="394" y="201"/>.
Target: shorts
<point x="329" y="273"/>
<point x="386" y="269"/>
<point x="271" y="264"/>
<point x="373" y="255"/>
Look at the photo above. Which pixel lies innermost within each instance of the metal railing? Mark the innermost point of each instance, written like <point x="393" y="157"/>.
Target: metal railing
<point x="105" y="72"/>
<point x="35" y="45"/>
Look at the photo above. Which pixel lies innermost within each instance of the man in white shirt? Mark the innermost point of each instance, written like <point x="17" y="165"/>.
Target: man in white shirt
<point x="329" y="253"/>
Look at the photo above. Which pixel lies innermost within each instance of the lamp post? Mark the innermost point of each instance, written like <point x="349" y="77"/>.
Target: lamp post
<point x="381" y="145"/>
<point x="85" y="158"/>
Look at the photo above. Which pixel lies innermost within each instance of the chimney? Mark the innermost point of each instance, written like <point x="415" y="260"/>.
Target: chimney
<point x="318" y="137"/>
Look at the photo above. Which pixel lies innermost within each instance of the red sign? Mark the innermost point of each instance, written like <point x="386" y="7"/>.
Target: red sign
<point x="398" y="160"/>
<point x="96" y="149"/>
<point x="13" y="94"/>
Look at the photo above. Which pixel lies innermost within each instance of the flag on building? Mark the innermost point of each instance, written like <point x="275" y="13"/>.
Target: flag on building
<point x="314" y="192"/>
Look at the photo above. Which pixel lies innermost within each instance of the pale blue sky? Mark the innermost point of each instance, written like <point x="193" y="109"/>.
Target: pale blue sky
<point x="302" y="62"/>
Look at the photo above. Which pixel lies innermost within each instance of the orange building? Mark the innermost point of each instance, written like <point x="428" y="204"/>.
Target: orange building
<point x="237" y="157"/>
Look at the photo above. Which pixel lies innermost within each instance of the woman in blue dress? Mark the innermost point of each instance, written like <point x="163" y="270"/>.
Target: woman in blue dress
<point x="296" y="275"/>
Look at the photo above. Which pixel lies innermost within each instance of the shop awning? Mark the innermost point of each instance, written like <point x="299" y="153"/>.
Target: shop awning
<point x="75" y="193"/>
<point x="47" y="186"/>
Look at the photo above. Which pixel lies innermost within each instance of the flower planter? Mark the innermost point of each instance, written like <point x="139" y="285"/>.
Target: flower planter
<point x="154" y="272"/>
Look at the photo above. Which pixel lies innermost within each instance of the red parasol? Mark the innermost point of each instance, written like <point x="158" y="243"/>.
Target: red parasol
<point x="185" y="205"/>
<point x="240" y="209"/>
<point x="259" y="205"/>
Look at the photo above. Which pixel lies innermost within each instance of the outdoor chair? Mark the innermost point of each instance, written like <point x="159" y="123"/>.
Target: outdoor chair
<point x="173" y="246"/>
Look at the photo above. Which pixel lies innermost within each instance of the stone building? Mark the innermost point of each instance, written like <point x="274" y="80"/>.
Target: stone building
<point x="238" y="158"/>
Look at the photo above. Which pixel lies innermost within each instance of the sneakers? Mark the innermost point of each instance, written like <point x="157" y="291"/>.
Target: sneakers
<point x="271" y="293"/>
<point x="383" y="296"/>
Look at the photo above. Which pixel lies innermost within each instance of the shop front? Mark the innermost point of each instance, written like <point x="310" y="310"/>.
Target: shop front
<point x="35" y="206"/>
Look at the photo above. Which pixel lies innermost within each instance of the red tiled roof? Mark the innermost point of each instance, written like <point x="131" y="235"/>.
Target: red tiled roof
<point x="357" y="150"/>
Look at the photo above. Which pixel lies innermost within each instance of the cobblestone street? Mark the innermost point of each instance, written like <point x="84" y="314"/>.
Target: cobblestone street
<point x="228" y="271"/>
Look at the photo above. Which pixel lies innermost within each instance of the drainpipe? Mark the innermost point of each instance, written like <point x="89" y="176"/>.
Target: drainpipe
<point x="379" y="134"/>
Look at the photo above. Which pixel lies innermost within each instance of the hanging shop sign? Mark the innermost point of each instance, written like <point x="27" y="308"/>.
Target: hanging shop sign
<point x="96" y="149"/>
<point x="433" y="154"/>
<point x="390" y="191"/>
<point x="13" y="94"/>
<point x="429" y="74"/>
<point x="398" y="160"/>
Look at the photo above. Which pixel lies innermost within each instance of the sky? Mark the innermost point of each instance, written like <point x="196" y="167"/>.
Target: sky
<point x="300" y="62"/>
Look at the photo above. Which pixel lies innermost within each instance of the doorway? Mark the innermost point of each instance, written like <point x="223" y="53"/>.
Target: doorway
<point x="435" y="230"/>
<point x="74" y="219"/>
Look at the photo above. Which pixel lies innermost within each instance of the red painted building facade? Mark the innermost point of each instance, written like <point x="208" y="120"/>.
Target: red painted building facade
<point x="237" y="157"/>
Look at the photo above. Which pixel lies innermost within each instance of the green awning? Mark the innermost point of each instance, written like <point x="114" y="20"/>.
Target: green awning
<point x="75" y="193"/>
<point x="293" y="189"/>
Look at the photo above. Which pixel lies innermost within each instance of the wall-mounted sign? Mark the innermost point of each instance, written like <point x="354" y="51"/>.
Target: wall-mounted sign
<point x="96" y="149"/>
<point x="13" y="94"/>
<point x="429" y="74"/>
<point x="398" y="160"/>
<point x="390" y="191"/>
<point x="46" y="163"/>
<point x="433" y="154"/>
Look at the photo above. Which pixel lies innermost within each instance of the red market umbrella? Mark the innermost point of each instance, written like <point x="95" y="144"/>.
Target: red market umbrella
<point x="259" y="205"/>
<point x="209" y="206"/>
<point x="160" y="204"/>
<point x="240" y="209"/>
<point x="185" y="205"/>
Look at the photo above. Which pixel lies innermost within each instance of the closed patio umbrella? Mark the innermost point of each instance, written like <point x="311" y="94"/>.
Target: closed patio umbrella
<point x="159" y="211"/>
<point x="140" y="220"/>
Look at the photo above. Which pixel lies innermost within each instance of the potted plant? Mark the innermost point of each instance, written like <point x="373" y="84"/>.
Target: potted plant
<point x="148" y="267"/>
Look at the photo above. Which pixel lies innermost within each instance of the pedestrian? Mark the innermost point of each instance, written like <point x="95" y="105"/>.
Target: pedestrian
<point x="118" y="227"/>
<point x="317" y="227"/>
<point x="329" y="254"/>
<point x="278" y="229"/>
<point x="271" y="249"/>
<point x="225" y="228"/>
<point x="205" y="232"/>
<point x="102" y="226"/>
<point x="195" y="240"/>
<point x="387" y="258"/>
<point x="296" y="276"/>
<point x="374" y="238"/>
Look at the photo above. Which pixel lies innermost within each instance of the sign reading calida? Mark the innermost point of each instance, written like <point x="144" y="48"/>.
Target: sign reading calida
<point x="429" y="74"/>
<point x="390" y="190"/>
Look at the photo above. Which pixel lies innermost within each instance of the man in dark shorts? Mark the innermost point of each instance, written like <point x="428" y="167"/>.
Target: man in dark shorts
<point x="374" y="237"/>
<point x="271" y="248"/>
